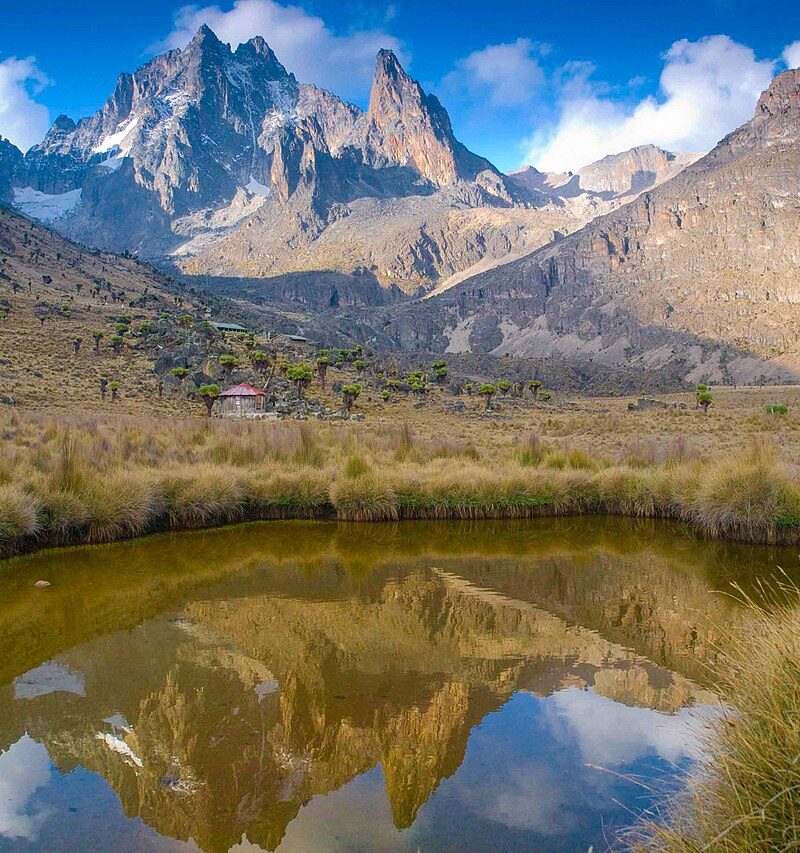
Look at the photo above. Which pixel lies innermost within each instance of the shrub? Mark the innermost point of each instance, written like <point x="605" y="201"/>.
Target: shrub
<point x="488" y="391"/>
<point x="776" y="409"/>
<point x="300" y="375"/>
<point x="208" y="394"/>
<point x="350" y="394"/>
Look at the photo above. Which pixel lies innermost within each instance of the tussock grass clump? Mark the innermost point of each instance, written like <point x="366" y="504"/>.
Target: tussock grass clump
<point x="569" y="457"/>
<point x="746" y="797"/>
<point x="289" y="494"/>
<point x="119" y="505"/>
<point x="202" y="497"/>
<point x="532" y="452"/>
<point x="308" y="452"/>
<point x="19" y="513"/>
<point x="356" y="466"/>
<point x="742" y="497"/>
<point x="365" y="497"/>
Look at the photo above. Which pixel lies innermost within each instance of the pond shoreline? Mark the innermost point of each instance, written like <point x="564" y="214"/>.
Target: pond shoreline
<point x="774" y="535"/>
<point x="108" y="481"/>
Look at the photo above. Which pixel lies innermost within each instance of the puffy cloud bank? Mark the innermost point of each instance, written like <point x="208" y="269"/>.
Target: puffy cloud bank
<point x="505" y="74"/>
<point x="706" y="89"/>
<point x="22" y="119"/>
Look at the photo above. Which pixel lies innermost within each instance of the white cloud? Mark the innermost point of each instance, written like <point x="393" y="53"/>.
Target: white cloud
<point x="302" y="42"/>
<point x="505" y="74"/>
<point x="707" y="88"/>
<point x="22" y="120"/>
<point x="791" y="55"/>
<point x="610" y="734"/>
<point x="24" y="769"/>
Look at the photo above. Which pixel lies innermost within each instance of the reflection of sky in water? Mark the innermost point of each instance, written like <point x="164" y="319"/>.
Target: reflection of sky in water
<point x="42" y="809"/>
<point x="524" y="782"/>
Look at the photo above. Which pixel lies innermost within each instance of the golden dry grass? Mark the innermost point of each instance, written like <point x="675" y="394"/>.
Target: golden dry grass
<point x="746" y="795"/>
<point x="83" y="478"/>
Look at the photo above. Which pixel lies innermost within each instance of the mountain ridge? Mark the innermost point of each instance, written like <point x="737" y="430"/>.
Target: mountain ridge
<point x="688" y="273"/>
<point x="218" y="162"/>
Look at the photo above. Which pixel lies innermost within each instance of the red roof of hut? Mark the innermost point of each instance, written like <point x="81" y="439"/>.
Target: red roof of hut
<point x="243" y="390"/>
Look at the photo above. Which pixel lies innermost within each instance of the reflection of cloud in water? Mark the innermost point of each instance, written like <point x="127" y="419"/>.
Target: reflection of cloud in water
<point x="24" y="768"/>
<point x="526" y="766"/>
<point x="530" y="798"/>
<point x="611" y="734"/>
<point x="50" y="677"/>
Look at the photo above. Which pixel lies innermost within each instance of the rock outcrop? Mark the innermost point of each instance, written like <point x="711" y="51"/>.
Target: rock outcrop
<point x="607" y="184"/>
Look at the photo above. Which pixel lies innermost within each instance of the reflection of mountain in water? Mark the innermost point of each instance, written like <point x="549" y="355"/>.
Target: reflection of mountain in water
<point x="224" y="717"/>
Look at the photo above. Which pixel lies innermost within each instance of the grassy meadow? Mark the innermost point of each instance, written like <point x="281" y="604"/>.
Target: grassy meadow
<point x="88" y="478"/>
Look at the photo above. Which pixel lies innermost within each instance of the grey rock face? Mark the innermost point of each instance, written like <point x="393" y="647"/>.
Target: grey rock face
<point x="699" y="273"/>
<point x="611" y="182"/>
<point x="12" y="168"/>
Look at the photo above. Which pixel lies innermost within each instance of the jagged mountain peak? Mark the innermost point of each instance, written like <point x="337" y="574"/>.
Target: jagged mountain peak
<point x="205" y="36"/>
<point x="63" y="124"/>
<point x="388" y="62"/>
<point x="408" y="127"/>
<point x="206" y="142"/>
<point x="258" y="49"/>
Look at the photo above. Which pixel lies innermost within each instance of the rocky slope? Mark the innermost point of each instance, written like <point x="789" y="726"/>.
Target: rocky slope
<point x="699" y="272"/>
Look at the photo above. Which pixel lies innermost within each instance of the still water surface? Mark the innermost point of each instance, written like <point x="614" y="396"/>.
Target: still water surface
<point x="308" y="686"/>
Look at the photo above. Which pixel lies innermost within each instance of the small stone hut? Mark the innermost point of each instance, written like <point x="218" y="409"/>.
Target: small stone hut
<point x="242" y="401"/>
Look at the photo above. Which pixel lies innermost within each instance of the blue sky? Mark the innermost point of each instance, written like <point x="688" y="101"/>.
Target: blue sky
<point x="552" y="84"/>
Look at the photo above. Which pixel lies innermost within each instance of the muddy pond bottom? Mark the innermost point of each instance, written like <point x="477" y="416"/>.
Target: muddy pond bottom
<point x="312" y="687"/>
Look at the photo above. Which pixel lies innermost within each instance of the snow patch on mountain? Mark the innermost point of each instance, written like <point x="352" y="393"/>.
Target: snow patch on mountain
<point x="44" y="207"/>
<point x="116" y="744"/>
<point x="115" y="140"/>
<point x="257" y="188"/>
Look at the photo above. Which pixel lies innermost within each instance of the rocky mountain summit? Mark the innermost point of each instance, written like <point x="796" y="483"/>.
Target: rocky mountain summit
<point x="607" y="184"/>
<point x="219" y="162"/>
<point x="222" y="161"/>
<point x="699" y="273"/>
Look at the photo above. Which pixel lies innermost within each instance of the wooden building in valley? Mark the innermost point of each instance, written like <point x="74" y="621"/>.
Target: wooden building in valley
<point x="242" y="401"/>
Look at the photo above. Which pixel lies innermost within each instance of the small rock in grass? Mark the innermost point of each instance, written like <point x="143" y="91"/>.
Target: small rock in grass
<point x="42" y="584"/>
